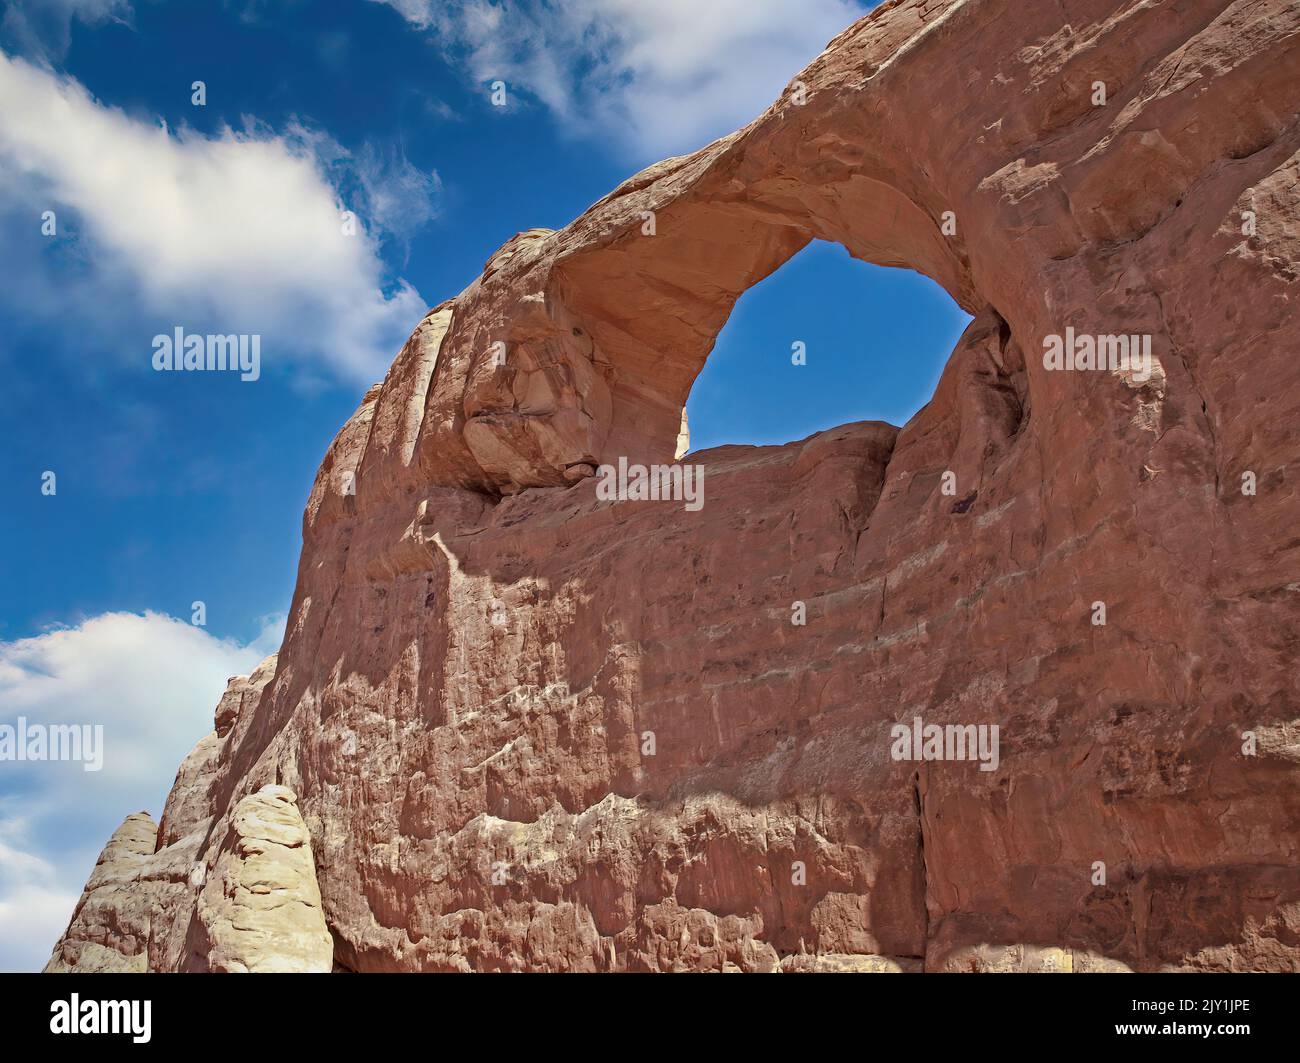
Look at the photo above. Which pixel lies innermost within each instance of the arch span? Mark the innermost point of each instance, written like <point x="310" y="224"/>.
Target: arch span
<point x="623" y="307"/>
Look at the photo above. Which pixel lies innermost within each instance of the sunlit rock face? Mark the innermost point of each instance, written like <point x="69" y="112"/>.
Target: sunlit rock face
<point x="259" y="909"/>
<point x="529" y="727"/>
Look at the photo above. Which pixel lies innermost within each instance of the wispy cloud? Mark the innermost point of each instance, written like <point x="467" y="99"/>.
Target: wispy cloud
<point x="44" y="27"/>
<point x="659" y="78"/>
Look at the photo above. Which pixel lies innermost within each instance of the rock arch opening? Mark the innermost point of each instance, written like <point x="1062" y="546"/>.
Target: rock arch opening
<point x="824" y="340"/>
<point x="601" y="335"/>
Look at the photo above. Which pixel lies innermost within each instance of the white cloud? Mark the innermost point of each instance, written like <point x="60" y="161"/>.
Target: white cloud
<point x="238" y="232"/>
<point x="418" y="12"/>
<point x="34" y="905"/>
<point x="151" y="682"/>
<point x="661" y="78"/>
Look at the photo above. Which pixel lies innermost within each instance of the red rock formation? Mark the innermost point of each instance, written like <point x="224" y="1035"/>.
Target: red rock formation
<point x="531" y="729"/>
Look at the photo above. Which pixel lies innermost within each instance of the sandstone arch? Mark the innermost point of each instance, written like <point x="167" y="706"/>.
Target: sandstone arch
<point x="648" y="307"/>
<point x="428" y="745"/>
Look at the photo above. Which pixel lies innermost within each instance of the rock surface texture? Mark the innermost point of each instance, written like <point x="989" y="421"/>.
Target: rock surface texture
<point x="529" y="728"/>
<point x="259" y="908"/>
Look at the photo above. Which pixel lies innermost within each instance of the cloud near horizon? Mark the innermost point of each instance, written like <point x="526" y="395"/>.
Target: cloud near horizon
<point x="151" y="681"/>
<point x="241" y="232"/>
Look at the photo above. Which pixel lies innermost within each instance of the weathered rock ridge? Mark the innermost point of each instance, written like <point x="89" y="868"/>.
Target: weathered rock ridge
<point x="531" y="729"/>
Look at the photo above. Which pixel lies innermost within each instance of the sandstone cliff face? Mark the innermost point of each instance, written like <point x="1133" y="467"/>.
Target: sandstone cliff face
<point x="528" y="728"/>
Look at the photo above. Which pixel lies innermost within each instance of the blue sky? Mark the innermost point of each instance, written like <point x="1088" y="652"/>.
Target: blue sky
<point x="176" y="488"/>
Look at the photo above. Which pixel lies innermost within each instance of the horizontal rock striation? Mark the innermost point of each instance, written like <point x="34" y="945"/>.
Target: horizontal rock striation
<point x="532" y="728"/>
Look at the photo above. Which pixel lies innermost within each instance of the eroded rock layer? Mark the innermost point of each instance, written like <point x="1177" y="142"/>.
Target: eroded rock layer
<point x="529" y="728"/>
<point x="259" y="909"/>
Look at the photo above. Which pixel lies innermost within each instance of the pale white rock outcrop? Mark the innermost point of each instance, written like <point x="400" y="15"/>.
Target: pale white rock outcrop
<point x="259" y="909"/>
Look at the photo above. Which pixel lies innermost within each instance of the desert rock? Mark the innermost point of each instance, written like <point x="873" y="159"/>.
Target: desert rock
<point x="110" y="927"/>
<point x="529" y="728"/>
<point x="259" y="907"/>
